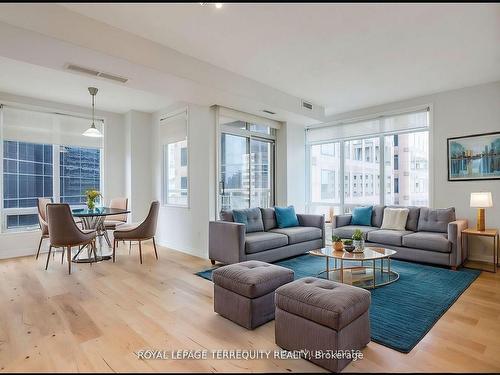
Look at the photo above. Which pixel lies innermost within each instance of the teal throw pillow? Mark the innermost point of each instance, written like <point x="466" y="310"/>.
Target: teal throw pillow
<point x="286" y="217"/>
<point x="362" y="216"/>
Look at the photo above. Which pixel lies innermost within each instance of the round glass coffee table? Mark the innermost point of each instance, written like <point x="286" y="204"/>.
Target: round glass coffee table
<point x="358" y="273"/>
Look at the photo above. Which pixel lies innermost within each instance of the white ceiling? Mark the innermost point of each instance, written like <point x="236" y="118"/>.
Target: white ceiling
<point x="24" y="79"/>
<point x="343" y="56"/>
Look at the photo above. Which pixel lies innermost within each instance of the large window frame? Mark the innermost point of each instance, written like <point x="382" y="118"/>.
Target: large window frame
<point x="253" y="128"/>
<point x="184" y="147"/>
<point x="344" y="207"/>
<point x="56" y="179"/>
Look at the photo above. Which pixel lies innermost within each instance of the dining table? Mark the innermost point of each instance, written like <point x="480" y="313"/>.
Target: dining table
<point x="93" y="219"/>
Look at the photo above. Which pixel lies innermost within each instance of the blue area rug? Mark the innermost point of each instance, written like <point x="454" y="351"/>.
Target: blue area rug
<point x="403" y="312"/>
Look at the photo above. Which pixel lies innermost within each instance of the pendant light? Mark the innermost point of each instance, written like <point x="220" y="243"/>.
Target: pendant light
<point x="92" y="131"/>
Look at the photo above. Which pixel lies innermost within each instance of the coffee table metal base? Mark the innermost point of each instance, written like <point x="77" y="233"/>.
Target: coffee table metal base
<point x="367" y="276"/>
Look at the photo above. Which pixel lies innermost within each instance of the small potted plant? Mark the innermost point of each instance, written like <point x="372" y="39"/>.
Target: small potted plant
<point x="92" y="195"/>
<point x="358" y="241"/>
<point x="348" y="246"/>
<point x="337" y="243"/>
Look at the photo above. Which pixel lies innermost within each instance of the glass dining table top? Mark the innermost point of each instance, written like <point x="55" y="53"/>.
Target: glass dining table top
<point x="98" y="211"/>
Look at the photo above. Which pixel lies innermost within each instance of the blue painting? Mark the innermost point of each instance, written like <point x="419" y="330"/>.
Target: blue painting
<point x="475" y="157"/>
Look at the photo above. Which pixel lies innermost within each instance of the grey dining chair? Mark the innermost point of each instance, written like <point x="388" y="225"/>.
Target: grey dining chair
<point x="139" y="232"/>
<point x="65" y="233"/>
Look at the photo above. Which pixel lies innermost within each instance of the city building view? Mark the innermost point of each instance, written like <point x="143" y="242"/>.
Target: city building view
<point x="405" y="167"/>
<point x="33" y="170"/>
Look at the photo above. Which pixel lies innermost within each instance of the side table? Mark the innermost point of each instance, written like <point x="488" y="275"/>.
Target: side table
<point x="485" y="233"/>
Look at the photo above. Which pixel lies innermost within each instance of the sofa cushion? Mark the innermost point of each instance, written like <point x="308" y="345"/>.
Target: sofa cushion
<point x="395" y="218"/>
<point x="299" y="234"/>
<point x="431" y="241"/>
<point x="286" y="217"/>
<point x="362" y="216"/>
<point x="325" y="302"/>
<point x="348" y="230"/>
<point x="269" y="218"/>
<point x="256" y="242"/>
<point x="435" y="220"/>
<point x="252" y="278"/>
<point x="377" y="215"/>
<point x="388" y="237"/>
<point x="251" y="217"/>
<point x="226" y="216"/>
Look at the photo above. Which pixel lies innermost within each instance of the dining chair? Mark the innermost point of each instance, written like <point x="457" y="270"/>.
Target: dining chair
<point x="65" y="233"/>
<point x="113" y="221"/>
<point x="42" y="221"/>
<point x="139" y="232"/>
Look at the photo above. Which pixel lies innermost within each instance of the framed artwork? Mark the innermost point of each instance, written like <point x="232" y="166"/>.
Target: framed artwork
<point x="474" y="157"/>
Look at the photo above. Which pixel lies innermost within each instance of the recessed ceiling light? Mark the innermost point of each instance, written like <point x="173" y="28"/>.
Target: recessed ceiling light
<point x="218" y="5"/>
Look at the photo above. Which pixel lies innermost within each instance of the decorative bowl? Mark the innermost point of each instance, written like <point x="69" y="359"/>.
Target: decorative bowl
<point x="349" y="248"/>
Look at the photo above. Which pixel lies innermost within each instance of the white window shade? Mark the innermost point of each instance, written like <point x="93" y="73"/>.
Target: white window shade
<point x="47" y="128"/>
<point x="173" y="128"/>
<point x="233" y="115"/>
<point x="416" y="120"/>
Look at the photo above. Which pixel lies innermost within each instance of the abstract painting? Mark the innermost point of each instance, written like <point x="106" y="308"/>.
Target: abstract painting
<point x="474" y="157"/>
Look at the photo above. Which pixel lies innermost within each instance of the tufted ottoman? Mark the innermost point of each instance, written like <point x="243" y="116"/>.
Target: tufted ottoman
<point x="318" y="316"/>
<point x="244" y="292"/>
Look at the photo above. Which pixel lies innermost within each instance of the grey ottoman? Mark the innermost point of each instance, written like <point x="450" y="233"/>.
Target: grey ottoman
<point x="320" y="315"/>
<point x="244" y="292"/>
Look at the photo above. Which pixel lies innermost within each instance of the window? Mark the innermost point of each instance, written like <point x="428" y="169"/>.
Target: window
<point x="79" y="171"/>
<point x="384" y="161"/>
<point x="35" y="165"/>
<point x="246" y="160"/>
<point x="173" y="136"/>
<point x="364" y="169"/>
<point x="184" y="158"/>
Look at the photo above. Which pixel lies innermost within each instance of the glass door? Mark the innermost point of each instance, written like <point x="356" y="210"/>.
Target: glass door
<point x="246" y="167"/>
<point x="234" y="189"/>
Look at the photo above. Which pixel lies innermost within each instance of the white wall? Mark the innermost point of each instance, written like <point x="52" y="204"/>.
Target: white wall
<point x="138" y="163"/>
<point x="291" y="166"/>
<point x="25" y="243"/>
<point x="466" y="111"/>
<point x="181" y="228"/>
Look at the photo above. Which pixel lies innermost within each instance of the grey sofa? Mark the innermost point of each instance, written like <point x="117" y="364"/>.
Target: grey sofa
<point x="431" y="235"/>
<point x="231" y="242"/>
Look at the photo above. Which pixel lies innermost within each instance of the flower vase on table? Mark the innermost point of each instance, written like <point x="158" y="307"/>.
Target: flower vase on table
<point x="358" y="241"/>
<point x="92" y="196"/>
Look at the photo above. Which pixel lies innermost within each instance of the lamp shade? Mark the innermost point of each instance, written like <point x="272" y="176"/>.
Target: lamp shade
<point x="481" y="200"/>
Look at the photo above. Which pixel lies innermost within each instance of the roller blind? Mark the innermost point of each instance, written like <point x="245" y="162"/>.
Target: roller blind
<point x="173" y="128"/>
<point x="48" y="128"/>
<point x="415" y="120"/>
<point x="247" y="117"/>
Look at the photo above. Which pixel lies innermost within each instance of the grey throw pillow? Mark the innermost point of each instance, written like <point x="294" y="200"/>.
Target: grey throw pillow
<point x="251" y="217"/>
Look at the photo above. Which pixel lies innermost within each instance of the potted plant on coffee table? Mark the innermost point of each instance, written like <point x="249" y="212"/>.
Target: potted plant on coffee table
<point x="337" y="243"/>
<point x="358" y="241"/>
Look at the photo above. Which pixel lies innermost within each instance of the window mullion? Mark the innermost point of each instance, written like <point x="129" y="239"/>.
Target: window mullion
<point x="56" y="173"/>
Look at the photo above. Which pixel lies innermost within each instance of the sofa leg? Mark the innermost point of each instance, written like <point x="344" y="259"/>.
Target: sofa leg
<point x="212" y="261"/>
<point x="453" y="268"/>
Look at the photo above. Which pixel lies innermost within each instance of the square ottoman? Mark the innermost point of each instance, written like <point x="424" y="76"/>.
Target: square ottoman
<point x="319" y="316"/>
<point x="244" y="292"/>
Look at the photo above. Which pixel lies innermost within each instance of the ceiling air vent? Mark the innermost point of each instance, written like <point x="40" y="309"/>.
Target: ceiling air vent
<point x="307" y="105"/>
<point x="268" y="112"/>
<point x="96" y="73"/>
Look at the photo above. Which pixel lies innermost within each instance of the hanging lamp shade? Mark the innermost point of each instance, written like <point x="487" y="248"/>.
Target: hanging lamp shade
<point x="93" y="131"/>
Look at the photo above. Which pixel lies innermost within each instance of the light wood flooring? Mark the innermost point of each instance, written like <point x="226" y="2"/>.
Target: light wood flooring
<point x="98" y="317"/>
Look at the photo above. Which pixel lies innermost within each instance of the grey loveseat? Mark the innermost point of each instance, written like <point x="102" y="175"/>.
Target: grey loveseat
<point x="231" y="242"/>
<point x="431" y="235"/>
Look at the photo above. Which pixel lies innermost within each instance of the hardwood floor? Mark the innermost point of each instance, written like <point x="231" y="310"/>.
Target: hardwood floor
<point x="98" y="317"/>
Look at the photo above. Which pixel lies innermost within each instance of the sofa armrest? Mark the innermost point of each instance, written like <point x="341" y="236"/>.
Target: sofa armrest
<point x="307" y="220"/>
<point x="226" y="242"/>
<point x="316" y="221"/>
<point x="458" y="254"/>
<point x="341" y="220"/>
